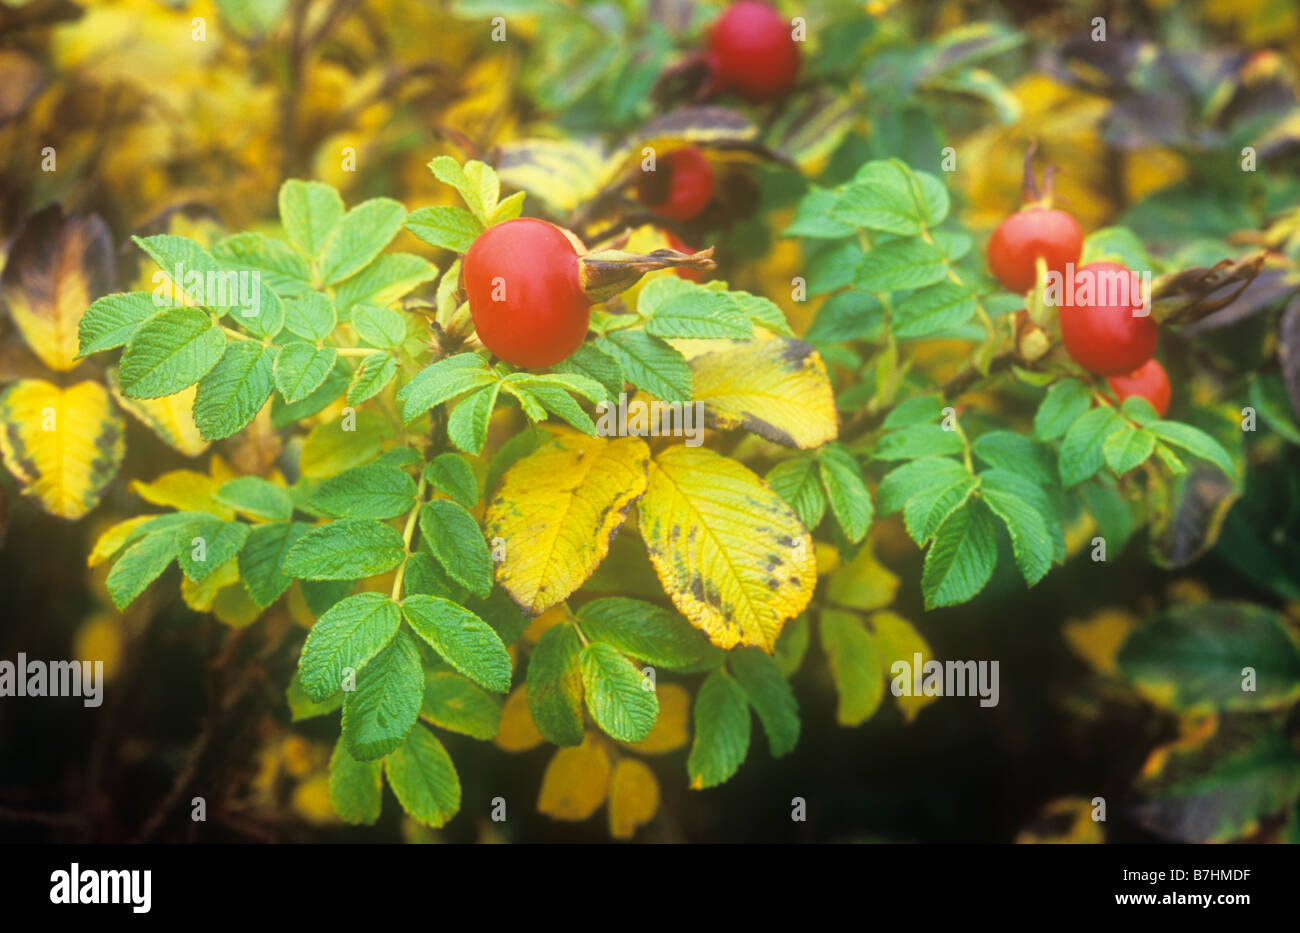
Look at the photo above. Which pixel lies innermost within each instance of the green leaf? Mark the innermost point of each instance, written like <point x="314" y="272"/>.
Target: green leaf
<point x="141" y="564"/>
<point x="619" y="697"/>
<point x="221" y="541"/>
<point x="425" y="577"/>
<point x="347" y="549"/>
<point x="553" y="685"/>
<point x="423" y="779"/>
<point x="281" y="267"/>
<point x="452" y="702"/>
<point x="456" y="541"/>
<point x="310" y="317"/>
<point x="461" y="639"/>
<point x="855" y="666"/>
<point x="594" y="363"/>
<point x="1019" y="454"/>
<point x="468" y="424"/>
<point x="1064" y="404"/>
<point x="476" y="183"/>
<point x="933" y="310"/>
<point x="346" y="636"/>
<point x="849" y="499"/>
<point x="257" y="498"/>
<point x="385" y="280"/>
<point x="1139" y="409"/>
<point x="452" y="474"/>
<point x="360" y="237"/>
<point x="721" y="731"/>
<point x="210" y="284"/>
<point x="770" y="695"/>
<point x="452" y="228"/>
<point x="372" y="490"/>
<point x="900" y="264"/>
<point x="234" y="391"/>
<point x="1082" y="450"/>
<point x="170" y="352"/>
<point x="356" y="787"/>
<point x="380" y="712"/>
<point x="917" y="478"/>
<point x="303" y="707"/>
<point x="310" y="212"/>
<point x="1127" y="448"/>
<point x="300" y="369"/>
<point x="650" y="633"/>
<point x="888" y="196"/>
<point x="110" y="321"/>
<point x="676" y="308"/>
<point x="441" y="381"/>
<point x="1194" y="441"/>
<point x="761" y="311"/>
<point x="929" y="507"/>
<point x="378" y="326"/>
<point x="813" y="219"/>
<point x="1193" y="658"/>
<point x="919" y="440"/>
<point x="1031" y="540"/>
<point x="919" y="409"/>
<point x="262" y="559"/>
<point x="649" y="363"/>
<point x="832" y="267"/>
<point x="798" y="482"/>
<point x="375" y="372"/>
<point x="960" y="561"/>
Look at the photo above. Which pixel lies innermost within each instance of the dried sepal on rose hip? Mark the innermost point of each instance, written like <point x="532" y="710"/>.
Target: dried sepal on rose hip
<point x="531" y="285"/>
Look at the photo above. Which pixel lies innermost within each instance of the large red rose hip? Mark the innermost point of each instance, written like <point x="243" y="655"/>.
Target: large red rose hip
<point x="1098" y="326"/>
<point x="525" y="293"/>
<point x="1019" y="240"/>
<point x="1149" y="381"/>
<point x="752" y="52"/>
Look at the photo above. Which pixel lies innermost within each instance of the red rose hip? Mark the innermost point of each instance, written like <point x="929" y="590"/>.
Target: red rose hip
<point x="1019" y="240"/>
<point x="1098" y="326"/>
<point x="1150" y="381"/>
<point x="525" y="293"/>
<point x="752" y="52"/>
<point x="680" y="186"/>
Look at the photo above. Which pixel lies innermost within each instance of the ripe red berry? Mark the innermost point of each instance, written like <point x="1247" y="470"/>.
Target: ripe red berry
<point x="1097" y="322"/>
<point x="1019" y="240"/>
<point x="525" y="294"/>
<point x="1150" y="381"/>
<point x="692" y="275"/>
<point x="680" y="186"/>
<point x="752" y="52"/>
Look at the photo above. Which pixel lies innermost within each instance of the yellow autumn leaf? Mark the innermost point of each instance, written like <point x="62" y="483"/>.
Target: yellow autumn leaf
<point x="113" y="537"/>
<point x="672" y="728"/>
<point x="170" y="417"/>
<point x="63" y="445"/>
<point x="201" y="596"/>
<point x="557" y="510"/>
<point x="1097" y="639"/>
<point x="184" y="491"/>
<point x="576" y="781"/>
<point x="732" y="556"/>
<point x="863" y="583"/>
<point x="776" y="388"/>
<point x="101" y="637"/>
<point x="896" y="640"/>
<point x="633" y="797"/>
<point x="1066" y="820"/>
<point x="518" y="732"/>
<point x="56" y="267"/>
<point x="563" y="174"/>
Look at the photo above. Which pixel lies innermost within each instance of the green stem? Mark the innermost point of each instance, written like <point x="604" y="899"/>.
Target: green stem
<point x="407" y="534"/>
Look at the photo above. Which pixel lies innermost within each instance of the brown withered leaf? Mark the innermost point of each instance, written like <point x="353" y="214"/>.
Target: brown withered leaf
<point x="1189" y="295"/>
